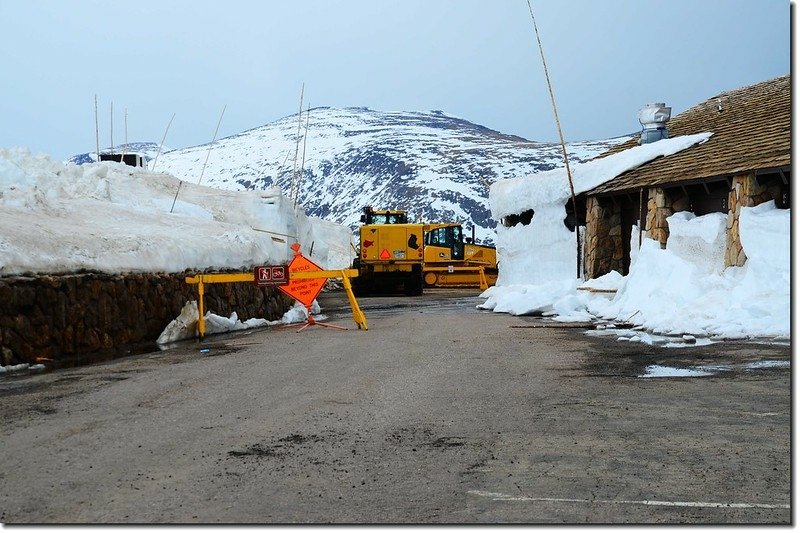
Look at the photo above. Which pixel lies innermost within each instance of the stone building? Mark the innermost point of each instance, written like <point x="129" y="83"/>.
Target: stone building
<point x="747" y="161"/>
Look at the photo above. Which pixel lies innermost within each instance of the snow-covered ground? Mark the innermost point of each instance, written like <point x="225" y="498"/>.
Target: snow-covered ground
<point x="109" y="217"/>
<point x="680" y="290"/>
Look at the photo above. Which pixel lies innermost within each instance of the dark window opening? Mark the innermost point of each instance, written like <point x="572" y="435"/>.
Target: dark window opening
<point x="701" y="199"/>
<point x="779" y="185"/>
<point x="512" y="220"/>
<point x="132" y="160"/>
<point x="386" y="217"/>
<point x="569" y="220"/>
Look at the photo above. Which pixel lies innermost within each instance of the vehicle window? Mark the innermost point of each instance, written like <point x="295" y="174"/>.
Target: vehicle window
<point x="456" y="234"/>
<point x="436" y="237"/>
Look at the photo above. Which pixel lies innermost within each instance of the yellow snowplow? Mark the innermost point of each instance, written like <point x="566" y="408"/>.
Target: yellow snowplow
<point x="390" y="254"/>
<point x="395" y="255"/>
<point x="450" y="262"/>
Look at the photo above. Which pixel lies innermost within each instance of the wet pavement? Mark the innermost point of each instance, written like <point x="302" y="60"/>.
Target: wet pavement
<point x="438" y="414"/>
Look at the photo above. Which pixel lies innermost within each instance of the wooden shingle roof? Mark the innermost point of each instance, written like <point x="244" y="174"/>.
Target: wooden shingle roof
<point x="752" y="131"/>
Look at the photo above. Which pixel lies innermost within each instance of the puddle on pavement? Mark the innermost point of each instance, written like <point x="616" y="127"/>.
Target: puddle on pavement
<point x="660" y="371"/>
<point x="78" y="360"/>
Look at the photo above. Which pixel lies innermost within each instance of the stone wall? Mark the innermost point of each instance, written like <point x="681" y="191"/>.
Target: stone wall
<point x="603" y="250"/>
<point x="662" y="204"/>
<point x="69" y="317"/>
<point x="745" y="192"/>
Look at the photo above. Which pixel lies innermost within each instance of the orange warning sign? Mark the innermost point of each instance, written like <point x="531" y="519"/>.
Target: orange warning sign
<point x="304" y="291"/>
<point x="385" y="254"/>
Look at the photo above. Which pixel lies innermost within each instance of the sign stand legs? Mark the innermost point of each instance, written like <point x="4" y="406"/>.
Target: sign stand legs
<point x="312" y="322"/>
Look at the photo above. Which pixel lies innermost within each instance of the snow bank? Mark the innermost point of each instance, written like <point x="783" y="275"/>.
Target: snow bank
<point x="184" y="326"/>
<point x="109" y="217"/>
<point x="699" y="241"/>
<point x="683" y="289"/>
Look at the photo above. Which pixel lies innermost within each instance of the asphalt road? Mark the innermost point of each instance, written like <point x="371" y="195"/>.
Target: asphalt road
<point x="439" y="413"/>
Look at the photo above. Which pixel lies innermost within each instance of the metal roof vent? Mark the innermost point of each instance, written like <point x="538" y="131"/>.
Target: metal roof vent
<point x="653" y="118"/>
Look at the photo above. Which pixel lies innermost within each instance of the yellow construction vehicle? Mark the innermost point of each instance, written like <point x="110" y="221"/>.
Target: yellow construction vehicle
<point x="397" y="255"/>
<point x="390" y="254"/>
<point x="450" y="262"/>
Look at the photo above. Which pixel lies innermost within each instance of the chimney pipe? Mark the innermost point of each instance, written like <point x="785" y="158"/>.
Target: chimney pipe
<point x="654" y="118"/>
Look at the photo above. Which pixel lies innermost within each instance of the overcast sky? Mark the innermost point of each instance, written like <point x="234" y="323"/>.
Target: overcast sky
<point x="475" y="59"/>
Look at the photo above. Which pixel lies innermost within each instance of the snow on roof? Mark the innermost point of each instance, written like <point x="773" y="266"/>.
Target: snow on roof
<point x="752" y="131"/>
<point x="520" y="194"/>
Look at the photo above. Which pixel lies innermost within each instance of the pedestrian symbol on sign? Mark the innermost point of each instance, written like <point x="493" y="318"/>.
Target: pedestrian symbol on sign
<point x="270" y="275"/>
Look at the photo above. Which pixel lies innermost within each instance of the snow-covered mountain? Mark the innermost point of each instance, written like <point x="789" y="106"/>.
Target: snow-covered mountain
<point x="436" y="166"/>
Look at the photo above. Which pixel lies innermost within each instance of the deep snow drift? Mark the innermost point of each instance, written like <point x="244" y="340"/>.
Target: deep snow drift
<point x="109" y="217"/>
<point x="544" y="250"/>
<point x="683" y="289"/>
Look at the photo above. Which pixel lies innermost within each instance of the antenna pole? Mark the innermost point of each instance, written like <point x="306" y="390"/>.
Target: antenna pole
<point x="162" y="143"/>
<point x="125" y="148"/>
<point x="642" y="217"/>
<point x="297" y="143"/>
<point x="563" y="146"/>
<point x="96" y="129"/>
<point x="112" y="127"/>
<point x="210" y="145"/>
<point x="303" y="164"/>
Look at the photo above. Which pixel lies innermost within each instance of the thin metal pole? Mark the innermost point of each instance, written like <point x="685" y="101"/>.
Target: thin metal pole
<point x="176" y="196"/>
<point x="303" y="164"/>
<point x="125" y="148"/>
<point x="212" y="143"/>
<point x="160" y="146"/>
<point x="112" y="127"/>
<point x="641" y="217"/>
<point x="96" y="129"/>
<point x="561" y="138"/>
<point x="297" y="143"/>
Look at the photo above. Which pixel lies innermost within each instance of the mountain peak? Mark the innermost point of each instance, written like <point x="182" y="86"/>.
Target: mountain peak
<point x="436" y="166"/>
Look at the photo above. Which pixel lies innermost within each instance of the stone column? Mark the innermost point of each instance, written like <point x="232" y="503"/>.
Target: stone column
<point x="745" y="192"/>
<point x="659" y="208"/>
<point x="603" y="251"/>
<point x="591" y="254"/>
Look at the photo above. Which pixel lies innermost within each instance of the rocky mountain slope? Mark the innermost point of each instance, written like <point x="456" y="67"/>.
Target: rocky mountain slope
<point x="436" y="166"/>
